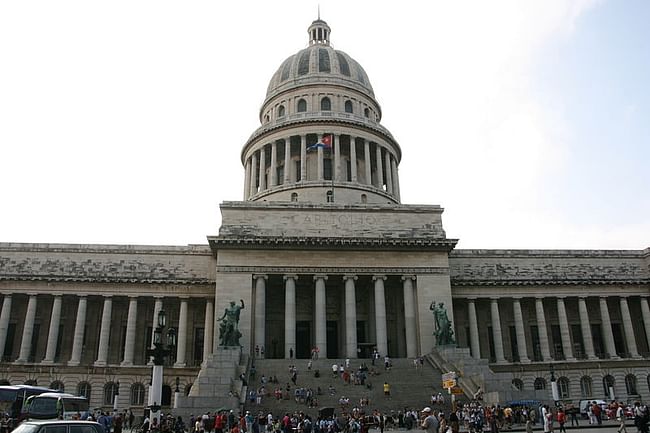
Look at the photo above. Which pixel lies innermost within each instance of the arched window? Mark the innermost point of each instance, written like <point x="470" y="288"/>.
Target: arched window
<point x="348" y="106"/>
<point x="364" y="198"/>
<point x="325" y="104"/>
<point x="366" y="112"/>
<point x="4" y="382"/>
<point x="563" y="387"/>
<point x="608" y="382"/>
<point x="630" y="384"/>
<point x="281" y="111"/>
<point x="83" y="389"/>
<point x="57" y="385"/>
<point x="110" y="390"/>
<point x="166" y="398"/>
<point x="188" y="388"/>
<point x="137" y="394"/>
<point x="302" y="106"/>
<point x="517" y="384"/>
<point x="585" y="386"/>
<point x="294" y="196"/>
<point x="31" y="382"/>
<point x="540" y="383"/>
<point x="266" y="118"/>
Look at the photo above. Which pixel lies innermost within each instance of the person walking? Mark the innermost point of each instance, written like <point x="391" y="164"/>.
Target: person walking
<point x="429" y="423"/>
<point x="561" y="419"/>
<point x="620" y="417"/>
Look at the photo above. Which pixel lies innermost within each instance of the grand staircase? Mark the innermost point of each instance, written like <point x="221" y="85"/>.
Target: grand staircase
<point x="409" y="387"/>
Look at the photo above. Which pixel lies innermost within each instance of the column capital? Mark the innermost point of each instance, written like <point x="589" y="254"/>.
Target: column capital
<point x="602" y="298"/>
<point x="408" y="277"/>
<point x="57" y="294"/>
<point x="583" y="297"/>
<point x="539" y="298"/>
<point x="108" y="296"/>
<point x="257" y="276"/>
<point x="494" y="299"/>
<point x="379" y="277"/>
<point x="517" y="298"/>
<point x="471" y="299"/>
<point x="290" y="277"/>
<point x="132" y="296"/>
<point x="320" y="277"/>
<point x="184" y="297"/>
<point x="350" y="276"/>
<point x="561" y="297"/>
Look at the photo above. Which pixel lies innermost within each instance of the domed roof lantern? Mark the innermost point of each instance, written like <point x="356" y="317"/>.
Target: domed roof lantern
<point x="319" y="32"/>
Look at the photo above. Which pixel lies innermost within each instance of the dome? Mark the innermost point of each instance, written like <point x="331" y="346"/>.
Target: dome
<point x="319" y="63"/>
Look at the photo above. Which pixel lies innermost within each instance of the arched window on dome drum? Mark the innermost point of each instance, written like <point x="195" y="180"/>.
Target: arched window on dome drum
<point x="294" y="196"/>
<point x="364" y="198"/>
<point x="325" y="104"/>
<point x="540" y="383"/>
<point x="630" y="384"/>
<point x="266" y="119"/>
<point x="301" y="106"/>
<point x="281" y="111"/>
<point x="348" y="106"/>
<point x="366" y="112"/>
<point x="585" y="386"/>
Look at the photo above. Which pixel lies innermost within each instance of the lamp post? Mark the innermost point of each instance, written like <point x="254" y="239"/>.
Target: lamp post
<point x="159" y="352"/>
<point x="554" y="389"/>
<point x="116" y="396"/>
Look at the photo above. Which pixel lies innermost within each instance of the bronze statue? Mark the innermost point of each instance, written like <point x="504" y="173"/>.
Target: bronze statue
<point x="229" y="328"/>
<point x="443" y="332"/>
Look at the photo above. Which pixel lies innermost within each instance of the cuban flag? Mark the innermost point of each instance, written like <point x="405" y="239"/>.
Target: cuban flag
<point x="325" y="143"/>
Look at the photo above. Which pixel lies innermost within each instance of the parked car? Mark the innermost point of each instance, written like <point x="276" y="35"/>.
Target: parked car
<point x="59" y="426"/>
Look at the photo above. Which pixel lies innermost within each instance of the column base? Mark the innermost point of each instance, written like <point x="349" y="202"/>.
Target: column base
<point x="47" y="362"/>
<point x="20" y="361"/>
<point x="524" y="361"/>
<point x="570" y="359"/>
<point x="100" y="364"/>
<point x="180" y="365"/>
<point x="126" y="364"/>
<point x="73" y="363"/>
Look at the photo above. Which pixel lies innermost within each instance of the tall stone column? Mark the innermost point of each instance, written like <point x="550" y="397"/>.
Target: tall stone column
<point x="629" y="329"/>
<point x="645" y="313"/>
<point x="289" y="314"/>
<point x="79" y="329"/>
<point x="353" y="159"/>
<point x="303" y="158"/>
<point x="260" y="310"/>
<point x="541" y="330"/>
<point x="253" y="181"/>
<point x="473" y="329"/>
<point x="105" y="332"/>
<point x="4" y="322"/>
<point x="395" y="179"/>
<point x="496" y="331"/>
<point x="274" y="164"/>
<point x="247" y="179"/>
<point x="28" y="330"/>
<point x="585" y="327"/>
<point x="410" y="326"/>
<point x="182" y="334"/>
<point x="336" y="175"/>
<point x="380" y="315"/>
<point x="287" y="161"/>
<point x="320" y="316"/>
<point x="608" y="335"/>
<point x="53" y="334"/>
<point x="208" y="329"/>
<point x="520" y="330"/>
<point x="380" y="169"/>
<point x="131" y="323"/>
<point x="389" y="175"/>
<point x="262" y="164"/>
<point x="321" y="165"/>
<point x="565" y="334"/>
<point x="350" y="316"/>
<point x="366" y="159"/>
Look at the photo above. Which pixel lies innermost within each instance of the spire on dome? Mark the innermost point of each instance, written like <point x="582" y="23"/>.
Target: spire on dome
<point x="319" y="32"/>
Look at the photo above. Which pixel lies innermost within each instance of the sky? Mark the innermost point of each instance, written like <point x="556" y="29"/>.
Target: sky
<point x="122" y="122"/>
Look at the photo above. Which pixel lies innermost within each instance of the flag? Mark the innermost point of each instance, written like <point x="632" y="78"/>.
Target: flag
<point x="324" y="143"/>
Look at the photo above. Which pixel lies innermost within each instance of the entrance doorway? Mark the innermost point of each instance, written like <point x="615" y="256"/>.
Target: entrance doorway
<point x="332" y="339"/>
<point x="303" y="339"/>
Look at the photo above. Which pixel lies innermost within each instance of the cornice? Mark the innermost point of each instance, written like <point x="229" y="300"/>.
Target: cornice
<point x="548" y="282"/>
<point x="107" y="279"/>
<point x="297" y="270"/>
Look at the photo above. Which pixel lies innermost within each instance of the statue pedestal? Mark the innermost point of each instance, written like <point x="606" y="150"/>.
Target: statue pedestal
<point x="217" y="384"/>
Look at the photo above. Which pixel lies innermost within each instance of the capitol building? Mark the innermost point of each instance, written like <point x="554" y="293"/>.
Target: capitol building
<point x="326" y="258"/>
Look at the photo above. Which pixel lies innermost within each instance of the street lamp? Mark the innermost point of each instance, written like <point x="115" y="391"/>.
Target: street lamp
<point x="555" y="392"/>
<point x="159" y="352"/>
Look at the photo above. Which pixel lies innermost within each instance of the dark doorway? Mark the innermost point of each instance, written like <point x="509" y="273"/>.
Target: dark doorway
<point x="303" y="339"/>
<point x="332" y="339"/>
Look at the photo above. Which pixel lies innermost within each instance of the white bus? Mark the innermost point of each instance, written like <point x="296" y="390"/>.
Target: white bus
<point x="57" y="405"/>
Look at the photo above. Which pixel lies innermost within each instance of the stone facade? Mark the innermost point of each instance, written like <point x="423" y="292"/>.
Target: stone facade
<point x="326" y="258"/>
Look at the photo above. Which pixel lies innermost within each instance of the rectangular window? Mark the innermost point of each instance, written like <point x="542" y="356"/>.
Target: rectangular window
<point x="9" y="343"/>
<point x="619" y="340"/>
<point x="556" y="336"/>
<point x="537" y="349"/>
<point x="122" y="342"/>
<point x="327" y="168"/>
<point x="513" y="344"/>
<point x="280" y="175"/>
<point x="578" y="343"/>
<point x="35" y="335"/>
<point x="493" y="356"/>
<point x="59" y="343"/>
<point x="596" y="336"/>
<point x="147" y="343"/>
<point x="298" y="175"/>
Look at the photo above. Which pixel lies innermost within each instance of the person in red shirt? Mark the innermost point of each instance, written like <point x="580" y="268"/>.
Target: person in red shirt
<point x="219" y="422"/>
<point x="561" y="419"/>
